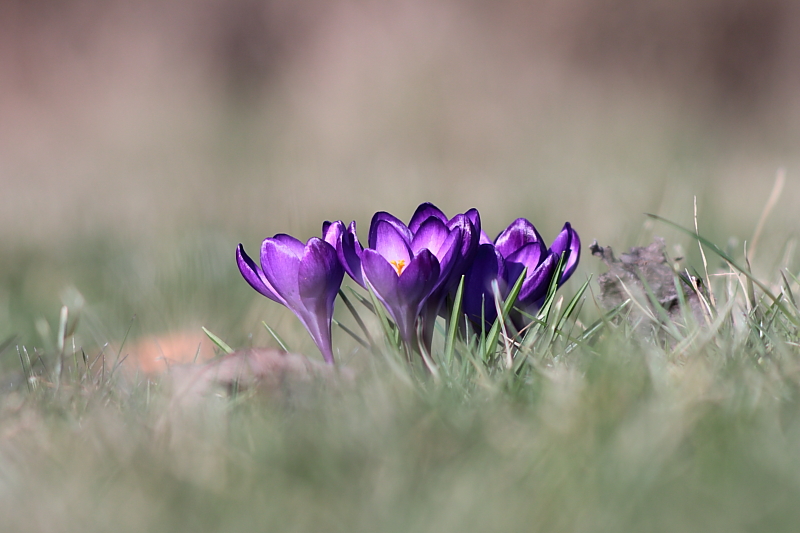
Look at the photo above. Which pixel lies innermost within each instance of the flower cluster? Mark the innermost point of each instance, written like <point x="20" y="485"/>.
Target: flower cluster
<point x="412" y="269"/>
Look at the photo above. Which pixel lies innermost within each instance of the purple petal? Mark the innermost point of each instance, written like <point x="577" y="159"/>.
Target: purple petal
<point x="392" y="245"/>
<point x="418" y="279"/>
<point x="459" y="221"/>
<point x="430" y="310"/>
<point x="515" y="236"/>
<point x="319" y="277"/>
<point x="402" y="296"/>
<point x="254" y="276"/>
<point x="382" y="216"/>
<point x="537" y="281"/>
<point x="530" y="255"/>
<point x="296" y="246"/>
<point x="430" y="235"/>
<point x="473" y="217"/>
<point x="456" y="260"/>
<point x="487" y="266"/>
<point x="450" y="261"/>
<point x="484" y="239"/>
<point x="381" y="276"/>
<point x="470" y="235"/>
<point x="423" y="213"/>
<point x="568" y="241"/>
<point x="307" y="284"/>
<point x="348" y="249"/>
<point x="332" y="232"/>
<point x="280" y="265"/>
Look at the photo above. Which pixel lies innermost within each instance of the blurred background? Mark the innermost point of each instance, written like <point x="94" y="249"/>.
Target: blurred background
<point x="141" y="141"/>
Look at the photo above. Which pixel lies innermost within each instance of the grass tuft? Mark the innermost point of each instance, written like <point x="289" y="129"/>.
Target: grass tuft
<point x="606" y="422"/>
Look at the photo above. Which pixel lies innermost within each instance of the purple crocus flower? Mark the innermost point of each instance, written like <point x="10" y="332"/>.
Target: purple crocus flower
<point x="468" y="226"/>
<point x="303" y="277"/>
<point x="406" y="266"/>
<point x="518" y="247"/>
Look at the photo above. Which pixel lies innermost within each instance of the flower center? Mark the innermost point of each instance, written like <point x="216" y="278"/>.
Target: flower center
<point x="398" y="265"/>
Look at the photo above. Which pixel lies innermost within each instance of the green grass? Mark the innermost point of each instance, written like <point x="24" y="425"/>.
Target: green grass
<point x="598" y="426"/>
<point x="130" y="173"/>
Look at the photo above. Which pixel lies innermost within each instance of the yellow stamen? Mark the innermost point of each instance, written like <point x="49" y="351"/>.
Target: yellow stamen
<point x="398" y="265"/>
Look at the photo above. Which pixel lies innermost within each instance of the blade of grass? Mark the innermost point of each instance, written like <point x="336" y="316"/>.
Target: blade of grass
<point x="722" y="317"/>
<point x="665" y="321"/>
<point x="786" y="287"/>
<point x="731" y="262"/>
<point x="704" y="334"/>
<point x="684" y="306"/>
<point x="708" y="312"/>
<point x="575" y="323"/>
<point x="392" y="336"/>
<point x="751" y="292"/>
<point x="543" y="316"/>
<point x="570" y="308"/>
<point x="426" y="358"/>
<point x="31" y="377"/>
<point x="124" y="340"/>
<point x="794" y="278"/>
<point x="482" y="338"/>
<point x="774" y="196"/>
<point x="550" y="297"/>
<point x="219" y="342"/>
<point x="25" y="373"/>
<point x="363" y="301"/>
<point x="114" y="369"/>
<point x="509" y="358"/>
<point x="61" y="341"/>
<point x="455" y="315"/>
<point x="597" y="325"/>
<point x="350" y="332"/>
<point x="703" y="254"/>
<point x="356" y="316"/>
<point x="494" y="332"/>
<point x="277" y="337"/>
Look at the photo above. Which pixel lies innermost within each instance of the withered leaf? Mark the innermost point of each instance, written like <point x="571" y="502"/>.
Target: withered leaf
<point x="627" y="276"/>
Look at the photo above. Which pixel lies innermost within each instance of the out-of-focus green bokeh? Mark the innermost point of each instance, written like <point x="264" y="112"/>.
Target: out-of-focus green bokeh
<point x="141" y="141"/>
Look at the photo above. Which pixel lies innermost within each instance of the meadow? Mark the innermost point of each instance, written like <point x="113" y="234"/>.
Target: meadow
<point x="139" y="149"/>
<point x="691" y="426"/>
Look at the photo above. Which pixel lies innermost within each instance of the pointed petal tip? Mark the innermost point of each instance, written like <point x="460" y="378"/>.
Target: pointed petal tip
<point x="293" y="244"/>
<point x="516" y="235"/>
<point x="383" y="216"/>
<point x="254" y="275"/>
<point x="475" y="217"/>
<point x="320" y="273"/>
<point x="424" y="212"/>
<point x="568" y="241"/>
<point x="537" y="281"/>
<point x="349" y="250"/>
<point x="332" y="232"/>
<point x="391" y="242"/>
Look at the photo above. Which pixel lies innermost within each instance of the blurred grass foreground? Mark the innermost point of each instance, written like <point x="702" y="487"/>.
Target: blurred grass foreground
<point x="140" y="142"/>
